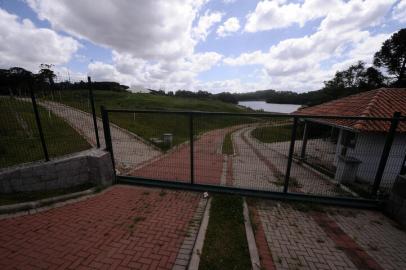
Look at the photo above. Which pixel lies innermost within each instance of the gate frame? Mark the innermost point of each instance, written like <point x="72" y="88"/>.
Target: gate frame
<point x="286" y="194"/>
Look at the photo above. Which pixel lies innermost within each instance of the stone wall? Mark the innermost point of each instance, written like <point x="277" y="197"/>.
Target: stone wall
<point x="90" y="166"/>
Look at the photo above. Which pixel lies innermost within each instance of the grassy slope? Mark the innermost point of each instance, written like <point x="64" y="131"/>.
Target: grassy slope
<point x="154" y="125"/>
<point x="20" y="141"/>
<point x="225" y="246"/>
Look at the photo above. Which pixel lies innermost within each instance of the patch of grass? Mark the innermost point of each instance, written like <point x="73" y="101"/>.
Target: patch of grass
<point x="19" y="197"/>
<point x="307" y="207"/>
<point x="225" y="245"/>
<point x="138" y="219"/>
<point x="162" y="193"/>
<point x="271" y="134"/>
<point x="20" y="141"/>
<point x="228" y="145"/>
<point x="280" y="182"/>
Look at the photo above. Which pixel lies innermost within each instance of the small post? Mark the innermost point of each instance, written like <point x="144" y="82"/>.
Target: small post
<point x="385" y="153"/>
<point x="290" y="158"/>
<point x="107" y="134"/>
<point x="39" y="126"/>
<point x="192" y="169"/>
<point x="304" y="141"/>
<point x="96" y="130"/>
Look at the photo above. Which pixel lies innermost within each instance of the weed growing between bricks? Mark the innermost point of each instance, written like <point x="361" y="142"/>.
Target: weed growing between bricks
<point x="225" y="246"/>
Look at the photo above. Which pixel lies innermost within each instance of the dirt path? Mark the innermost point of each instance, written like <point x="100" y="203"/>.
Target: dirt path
<point x="129" y="150"/>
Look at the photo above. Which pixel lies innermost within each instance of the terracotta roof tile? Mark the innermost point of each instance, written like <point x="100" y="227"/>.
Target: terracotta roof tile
<point x="382" y="102"/>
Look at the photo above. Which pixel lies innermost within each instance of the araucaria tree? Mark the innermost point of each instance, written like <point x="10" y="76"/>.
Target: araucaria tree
<point x="392" y="56"/>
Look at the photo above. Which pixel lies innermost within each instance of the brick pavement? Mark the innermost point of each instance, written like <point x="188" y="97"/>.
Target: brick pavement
<point x="299" y="237"/>
<point x="175" y="165"/>
<point x="122" y="228"/>
<point x="380" y="237"/>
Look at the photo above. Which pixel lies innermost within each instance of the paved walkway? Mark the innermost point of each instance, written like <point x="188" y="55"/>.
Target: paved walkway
<point x="122" y="228"/>
<point x="129" y="149"/>
<point x="257" y="165"/>
<point x="333" y="238"/>
<point x="175" y="165"/>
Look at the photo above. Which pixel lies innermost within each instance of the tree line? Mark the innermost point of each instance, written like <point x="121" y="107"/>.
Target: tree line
<point x="17" y="79"/>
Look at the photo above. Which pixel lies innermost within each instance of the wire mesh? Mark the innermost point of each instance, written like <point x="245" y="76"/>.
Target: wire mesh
<point x="154" y="146"/>
<point x="252" y="152"/>
<point x="63" y="117"/>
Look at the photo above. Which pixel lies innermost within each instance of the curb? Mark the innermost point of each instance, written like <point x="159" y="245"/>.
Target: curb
<point x="25" y="206"/>
<point x="252" y="246"/>
<point x="198" y="247"/>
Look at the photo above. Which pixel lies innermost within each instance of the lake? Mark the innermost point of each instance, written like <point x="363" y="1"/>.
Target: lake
<point x="270" y="107"/>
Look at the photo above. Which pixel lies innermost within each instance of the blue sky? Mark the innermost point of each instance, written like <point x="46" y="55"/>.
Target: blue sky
<point x="223" y="45"/>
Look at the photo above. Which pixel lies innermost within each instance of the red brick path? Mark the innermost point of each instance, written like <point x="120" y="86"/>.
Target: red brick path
<point x="175" y="166"/>
<point x="357" y="255"/>
<point x="123" y="228"/>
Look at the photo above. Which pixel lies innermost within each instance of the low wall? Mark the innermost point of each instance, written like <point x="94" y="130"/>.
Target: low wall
<point x="396" y="204"/>
<point x="90" y="166"/>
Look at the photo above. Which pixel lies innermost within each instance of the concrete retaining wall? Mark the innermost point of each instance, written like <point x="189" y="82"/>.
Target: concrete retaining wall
<point x="90" y="166"/>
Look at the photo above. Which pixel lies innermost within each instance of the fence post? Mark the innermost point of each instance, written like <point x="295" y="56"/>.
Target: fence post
<point x="39" y="126"/>
<point x="304" y="141"/>
<point x="192" y="165"/>
<point x="290" y="158"/>
<point x="385" y="153"/>
<point x="96" y="130"/>
<point x="107" y="135"/>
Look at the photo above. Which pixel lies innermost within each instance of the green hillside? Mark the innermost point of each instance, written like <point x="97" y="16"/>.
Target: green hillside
<point x="151" y="126"/>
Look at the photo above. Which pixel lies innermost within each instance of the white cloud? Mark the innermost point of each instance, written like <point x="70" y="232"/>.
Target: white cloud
<point x="277" y="14"/>
<point x="231" y="25"/>
<point x="339" y="41"/>
<point x="168" y="74"/>
<point x="399" y="12"/>
<point x="152" y="42"/>
<point x="157" y="29"/>
<point x="202" y="30"/>
<point x="22" y="44"/>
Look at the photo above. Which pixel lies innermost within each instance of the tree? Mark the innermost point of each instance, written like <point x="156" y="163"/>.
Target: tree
<point x="392" y="56"/>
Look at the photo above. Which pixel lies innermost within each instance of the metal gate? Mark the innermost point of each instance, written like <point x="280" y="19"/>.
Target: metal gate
<point x="312" y="158"/>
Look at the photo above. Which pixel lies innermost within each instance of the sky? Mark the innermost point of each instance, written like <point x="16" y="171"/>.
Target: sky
<point x="211" y="45"/>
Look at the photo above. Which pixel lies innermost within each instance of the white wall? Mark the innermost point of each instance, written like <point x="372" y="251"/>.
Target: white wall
<point x="368" y="149"/>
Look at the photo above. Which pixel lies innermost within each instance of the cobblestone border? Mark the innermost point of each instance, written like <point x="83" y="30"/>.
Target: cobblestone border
<point x="185" y="252"/>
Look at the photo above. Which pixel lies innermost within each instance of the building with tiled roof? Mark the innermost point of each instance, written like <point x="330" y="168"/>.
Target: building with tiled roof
<point x="360" y="140"/>
<point x="382" y="102"/>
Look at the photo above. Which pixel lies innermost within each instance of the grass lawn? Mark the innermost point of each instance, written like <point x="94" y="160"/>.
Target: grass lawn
<point x="272" y="134"/>
<point x="39" y="195"/>
<point x="225" y="246"/>
<point x="228" y="145"/>
<point x="154" y="125"/>
<point x="20" y="140"/>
